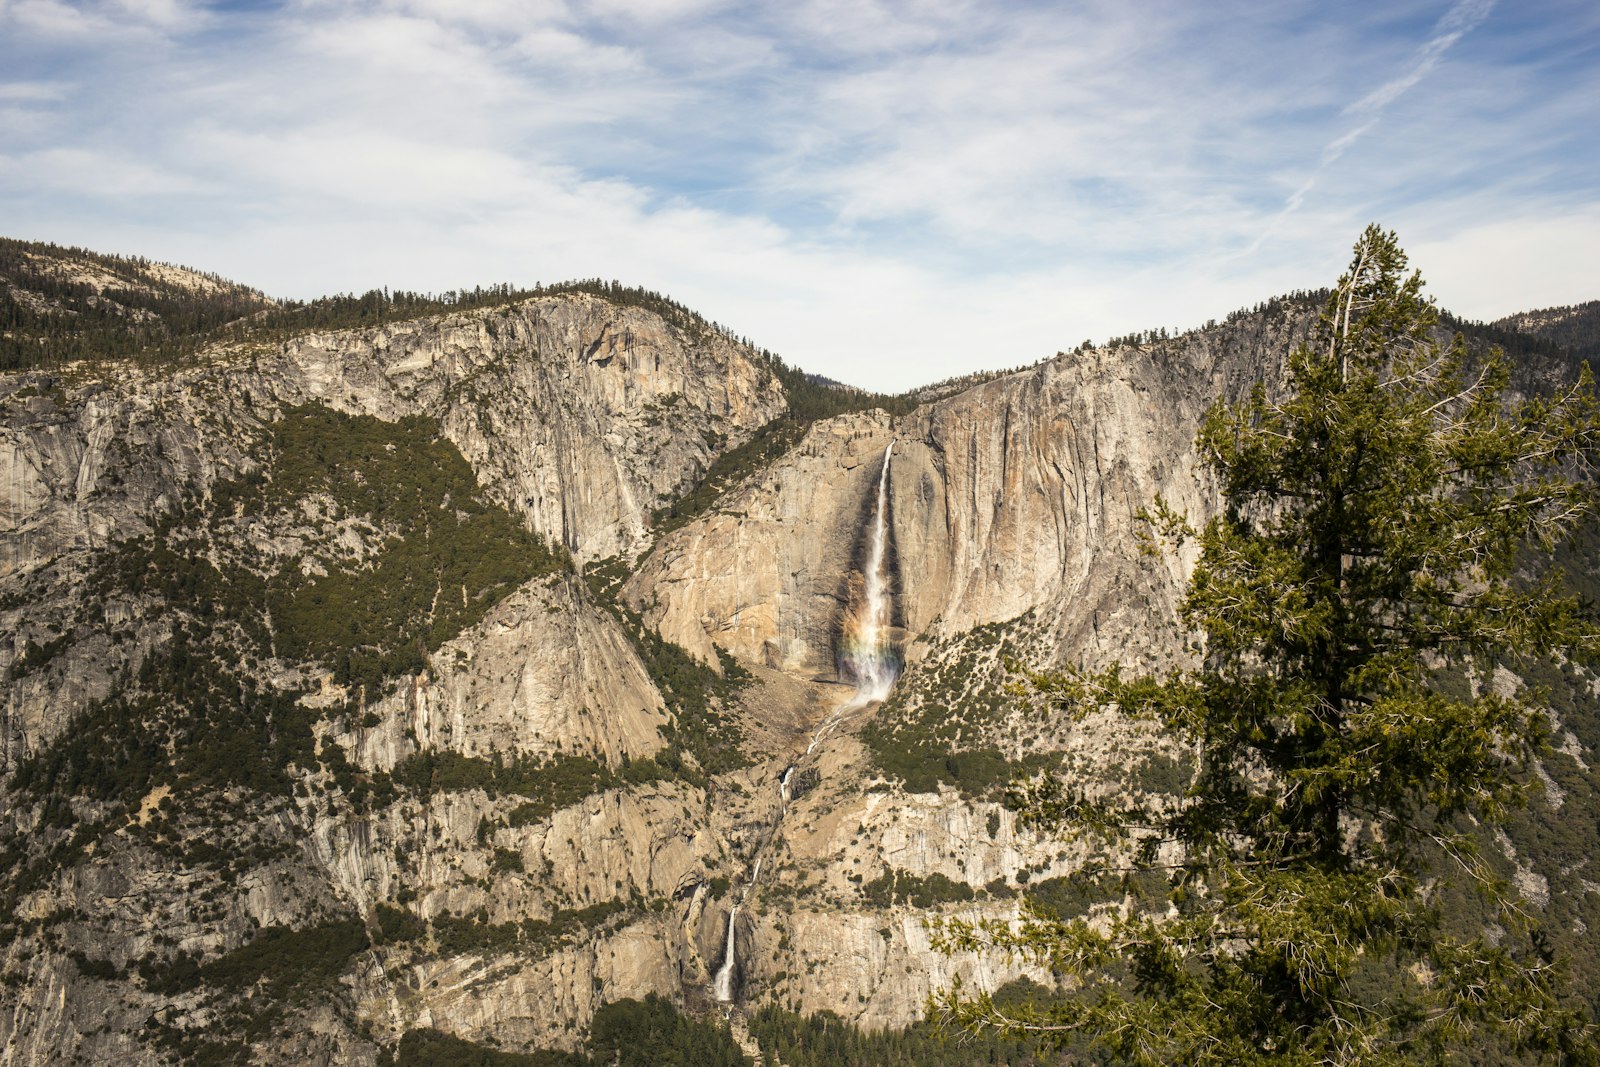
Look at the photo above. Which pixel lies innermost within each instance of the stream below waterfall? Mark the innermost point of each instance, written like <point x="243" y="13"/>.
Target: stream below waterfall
<point x="867" y="657"/>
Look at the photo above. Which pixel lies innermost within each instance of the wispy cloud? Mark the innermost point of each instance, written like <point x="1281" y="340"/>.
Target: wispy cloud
<point x="1458" y="21"/>
<point x="1368" y="110"/>
<point x="886" y="191"/>
<point x="33" y="92"/>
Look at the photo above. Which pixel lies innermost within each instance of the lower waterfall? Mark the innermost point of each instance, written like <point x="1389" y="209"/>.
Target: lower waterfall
<point x="722" y="984"/>
<point x="866" y="657"/>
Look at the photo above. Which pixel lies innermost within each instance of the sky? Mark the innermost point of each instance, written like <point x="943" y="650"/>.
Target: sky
<point x="889" y="193"/>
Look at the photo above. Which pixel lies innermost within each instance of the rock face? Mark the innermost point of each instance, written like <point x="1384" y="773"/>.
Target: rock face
<point x="579" y="414"/>
<point x="1020" y="494"/>
<point x="582" y="415"/>
<point x="544" y="673"/>
<point x="548" y="812"/>
<point x="764" y="576"/>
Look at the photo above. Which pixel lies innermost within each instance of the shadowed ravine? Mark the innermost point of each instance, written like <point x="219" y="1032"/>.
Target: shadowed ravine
<point x="868" y="658"/>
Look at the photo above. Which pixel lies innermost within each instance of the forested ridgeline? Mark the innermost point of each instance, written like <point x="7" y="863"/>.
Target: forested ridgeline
<point x="60" y="305"/>
<point x="1575" y="327"/>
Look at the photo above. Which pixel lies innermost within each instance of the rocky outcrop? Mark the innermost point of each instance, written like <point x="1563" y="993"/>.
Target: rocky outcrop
<point x="580" y="415"/>
<point x="545" y="673"/>
<point x="84" y="463"/>
<point x="764" y="575"/>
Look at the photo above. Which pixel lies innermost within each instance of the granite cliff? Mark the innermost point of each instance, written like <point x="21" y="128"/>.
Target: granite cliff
<point x="355" y="686"/>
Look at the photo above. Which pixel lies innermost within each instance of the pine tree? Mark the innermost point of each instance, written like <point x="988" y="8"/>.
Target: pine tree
<point x="1379" y="515"/>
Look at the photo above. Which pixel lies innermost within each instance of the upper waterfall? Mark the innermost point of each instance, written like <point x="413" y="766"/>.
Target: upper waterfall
<point x="867" y="653"/>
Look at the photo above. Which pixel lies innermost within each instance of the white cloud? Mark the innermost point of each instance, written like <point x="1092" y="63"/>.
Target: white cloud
<point x="886" y="192"/>
<point x="52" y="18"/>
<point x="653" y="12"/>
<point x="1460" y="19"/>
<point x="1504" y="265"/>
<point x="574" y="52"/>
<point x="883" y="27"/>
<point x="33" y="92"/>
<point x="504" y="16"/>
<point x="97" y="174"/>
<point x="105" y="20"/>
<point x="166" y="14"/>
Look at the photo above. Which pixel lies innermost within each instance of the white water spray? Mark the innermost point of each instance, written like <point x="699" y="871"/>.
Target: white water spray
<point x="722" y="984"/>
<point x="868" y="657"/>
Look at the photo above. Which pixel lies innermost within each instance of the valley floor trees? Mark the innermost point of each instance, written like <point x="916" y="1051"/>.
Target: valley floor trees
<point x="1367" y="566"/>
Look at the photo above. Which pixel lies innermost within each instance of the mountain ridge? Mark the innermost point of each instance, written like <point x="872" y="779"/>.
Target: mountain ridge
<point x="309" y="827"/>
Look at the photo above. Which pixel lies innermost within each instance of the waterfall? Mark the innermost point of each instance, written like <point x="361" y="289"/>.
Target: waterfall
<point x="722" y="985"/>
<point x="868" y="657"/>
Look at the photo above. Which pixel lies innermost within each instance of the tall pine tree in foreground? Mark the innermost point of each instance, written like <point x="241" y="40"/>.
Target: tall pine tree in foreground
<point x="1375" y="515"/>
